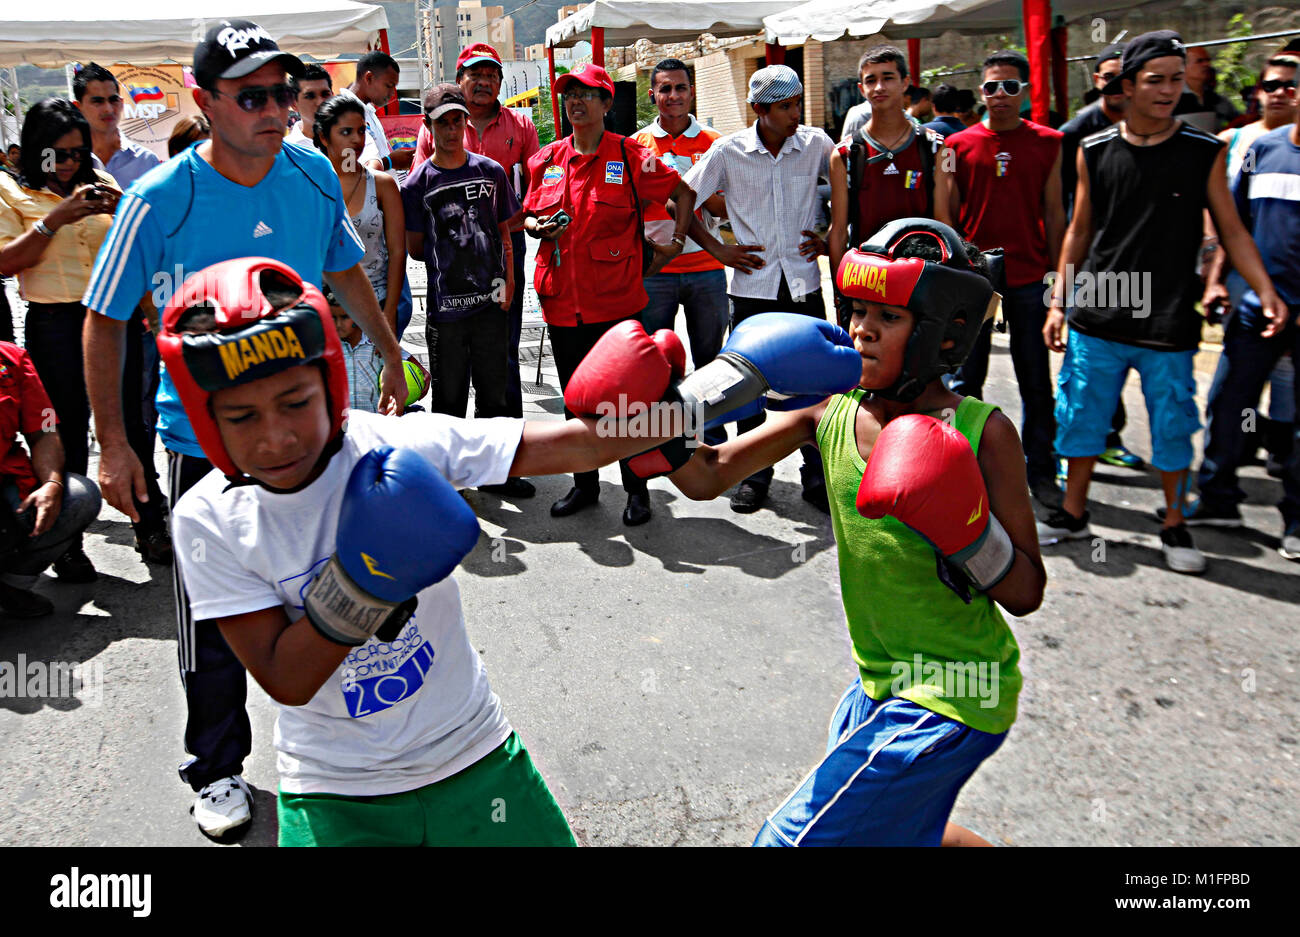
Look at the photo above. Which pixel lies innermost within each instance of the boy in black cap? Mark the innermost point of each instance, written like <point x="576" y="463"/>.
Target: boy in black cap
<point x="1100" y="114"/>
<point x="1144" y="184"/>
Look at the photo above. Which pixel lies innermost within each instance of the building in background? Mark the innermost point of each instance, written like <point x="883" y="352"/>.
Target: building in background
<point x="452" y="27"/>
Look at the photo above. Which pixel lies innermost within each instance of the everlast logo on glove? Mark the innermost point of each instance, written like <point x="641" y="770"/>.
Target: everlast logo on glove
<point x="277" y="342"/>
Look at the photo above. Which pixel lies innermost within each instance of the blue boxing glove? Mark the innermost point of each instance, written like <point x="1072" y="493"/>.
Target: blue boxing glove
<point x="402" y="527"/>
<point x="783" y="360"/>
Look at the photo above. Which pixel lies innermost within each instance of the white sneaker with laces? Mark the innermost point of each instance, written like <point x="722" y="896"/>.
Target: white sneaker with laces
<point x="222" y="806"/>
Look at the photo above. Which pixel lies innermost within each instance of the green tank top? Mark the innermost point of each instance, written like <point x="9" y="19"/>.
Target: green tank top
<point x="913" y="637"/>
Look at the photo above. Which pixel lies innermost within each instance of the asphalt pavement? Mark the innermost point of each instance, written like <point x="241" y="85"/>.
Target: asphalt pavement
<point x="673" y="682"/>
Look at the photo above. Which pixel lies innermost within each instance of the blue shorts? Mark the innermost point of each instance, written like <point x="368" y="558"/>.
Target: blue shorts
<point x="1089" y="387"/>
<point x="890" y="777"/>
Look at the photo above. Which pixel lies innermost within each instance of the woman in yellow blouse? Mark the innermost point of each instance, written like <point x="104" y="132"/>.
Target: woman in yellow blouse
<point x="52" y="223"/>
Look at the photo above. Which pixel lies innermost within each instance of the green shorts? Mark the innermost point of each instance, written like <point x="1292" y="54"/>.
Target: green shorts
<point x="500" y="800"/>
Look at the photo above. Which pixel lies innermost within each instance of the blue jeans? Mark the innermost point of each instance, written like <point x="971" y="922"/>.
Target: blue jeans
<point x="1023" y="309"/>
<point x="80" y="506"/>
<point x="704" y="296"/>
<point x="1250" y="359"/>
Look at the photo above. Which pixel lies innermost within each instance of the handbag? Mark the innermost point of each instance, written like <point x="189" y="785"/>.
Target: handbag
<point x="647" y="252"/>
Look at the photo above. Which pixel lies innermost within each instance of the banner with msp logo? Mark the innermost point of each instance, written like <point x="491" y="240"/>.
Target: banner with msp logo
<point x="153" y="99"/>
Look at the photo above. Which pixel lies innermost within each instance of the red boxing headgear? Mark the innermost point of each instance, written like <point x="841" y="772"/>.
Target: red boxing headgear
<point x="241" y="320"/>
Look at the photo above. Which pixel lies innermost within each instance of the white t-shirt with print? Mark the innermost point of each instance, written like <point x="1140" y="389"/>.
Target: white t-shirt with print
<point x="392" y="717"/>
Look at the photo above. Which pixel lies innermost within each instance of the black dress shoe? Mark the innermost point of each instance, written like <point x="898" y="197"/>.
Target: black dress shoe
<point x="513" y="488"/>
<point x="816" y="496"/>
<point x="75" y="566"/>
<point x="637" y="511"/>
<point x="749" y="497"/>
<point x="19" y="603"/>
<point x="574" y="501"/>
<point x="155" y="547"/>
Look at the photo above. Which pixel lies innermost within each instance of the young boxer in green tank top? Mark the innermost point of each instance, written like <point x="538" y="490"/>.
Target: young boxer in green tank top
<point x="933" y="535"/>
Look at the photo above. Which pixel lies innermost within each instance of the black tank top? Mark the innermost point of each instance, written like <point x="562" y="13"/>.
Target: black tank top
<point x="1147" y="205"/>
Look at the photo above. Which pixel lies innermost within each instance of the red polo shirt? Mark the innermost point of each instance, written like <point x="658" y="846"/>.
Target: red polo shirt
<point x="24" y="408"/>
<point x="593" y="272"/>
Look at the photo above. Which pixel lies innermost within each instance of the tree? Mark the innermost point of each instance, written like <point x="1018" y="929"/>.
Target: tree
<point x="1230" y="69"/>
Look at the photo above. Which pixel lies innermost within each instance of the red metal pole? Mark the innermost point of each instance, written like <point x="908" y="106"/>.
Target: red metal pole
<point x="1038" y="23"/>
<point x="555" y="101"/>
<point x="1060" y="71"/>
<point x="914" y="60"/>
<point x="598" y="45"/>
<point x="391" y="107"/>
<point x="774" y="53"/>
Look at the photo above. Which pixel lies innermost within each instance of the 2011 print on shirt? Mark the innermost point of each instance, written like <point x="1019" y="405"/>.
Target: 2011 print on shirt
<point x="376" y="675"/>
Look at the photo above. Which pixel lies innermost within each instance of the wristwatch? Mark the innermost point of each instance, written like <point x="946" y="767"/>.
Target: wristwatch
<point x="680" y="239"/>
<point x="43" y="229"/>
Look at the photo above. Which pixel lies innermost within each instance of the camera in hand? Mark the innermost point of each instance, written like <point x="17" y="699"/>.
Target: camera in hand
<point x="560" y="219"/>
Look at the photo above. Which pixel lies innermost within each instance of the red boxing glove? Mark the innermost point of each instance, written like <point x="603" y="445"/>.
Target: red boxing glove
<point x="626" y="361"/>
<point x="925" y="474"/>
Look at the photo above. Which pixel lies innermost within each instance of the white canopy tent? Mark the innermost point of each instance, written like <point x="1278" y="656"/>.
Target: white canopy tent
<point x="827" y="20"/>
<point x="913" y="20"/>
<point x="148" y="32"/>
<point x="662" y="21"/>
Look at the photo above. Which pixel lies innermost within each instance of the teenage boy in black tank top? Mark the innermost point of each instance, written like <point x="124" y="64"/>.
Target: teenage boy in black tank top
<point x="1134" y="241"/>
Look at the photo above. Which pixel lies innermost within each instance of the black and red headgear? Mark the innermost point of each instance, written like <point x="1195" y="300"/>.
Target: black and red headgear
<point x="950" y="299"/>
<point x="241" y="320"/>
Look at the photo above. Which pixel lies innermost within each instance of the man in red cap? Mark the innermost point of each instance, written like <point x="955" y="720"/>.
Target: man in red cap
<point x="510" y="139"/>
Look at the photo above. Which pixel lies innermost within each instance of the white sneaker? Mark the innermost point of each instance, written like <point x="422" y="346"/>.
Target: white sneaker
<point x="222" y="806"/>
<point x="1290" y="548"/>
<point x="1181" y="554"/>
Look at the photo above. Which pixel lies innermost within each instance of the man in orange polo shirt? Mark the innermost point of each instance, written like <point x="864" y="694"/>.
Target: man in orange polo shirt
<point x="695" y="280"/>
<point x="510" y="139"/>
<point x="589" y="269"/>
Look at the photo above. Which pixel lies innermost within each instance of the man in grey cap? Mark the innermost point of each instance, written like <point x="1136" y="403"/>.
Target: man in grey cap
<point x="768" y="174"/>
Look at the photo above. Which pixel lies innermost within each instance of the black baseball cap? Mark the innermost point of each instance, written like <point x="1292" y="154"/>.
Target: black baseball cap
<point x="1113" y="51"/>
<point x="235" y="48"/>
<point x="1143" y="49"/>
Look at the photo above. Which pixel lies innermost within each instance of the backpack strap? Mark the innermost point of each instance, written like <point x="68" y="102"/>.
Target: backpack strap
<point x="929" y="144"/>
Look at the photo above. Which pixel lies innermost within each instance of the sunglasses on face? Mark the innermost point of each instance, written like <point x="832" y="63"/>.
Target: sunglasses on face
<point x="78" y="153"/>
<point x="1011" y="86"/>
<point x="313" y="95"/>
<point x="586" y="94"/>
<point x="113" y="99"/>
<point x="1276" y="84"/>
<point x="254" y="98"/>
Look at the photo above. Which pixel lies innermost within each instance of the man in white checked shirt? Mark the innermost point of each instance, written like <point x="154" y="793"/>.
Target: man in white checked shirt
<point x="768" y="174"/>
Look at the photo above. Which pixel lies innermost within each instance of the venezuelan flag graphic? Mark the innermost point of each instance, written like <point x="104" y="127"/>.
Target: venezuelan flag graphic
<point x="140" y="93"/>
<point x="911" y="179"/>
